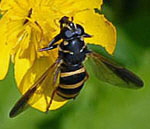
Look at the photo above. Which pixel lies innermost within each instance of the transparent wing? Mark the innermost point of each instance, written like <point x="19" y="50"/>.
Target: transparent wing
<point x="111" y="73"/>
<point x="39" y="92"/>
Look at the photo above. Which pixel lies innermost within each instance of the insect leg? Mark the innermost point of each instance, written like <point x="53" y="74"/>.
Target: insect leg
<point x="48" y="48"/>
<point x="55" y="79"/>
<point x="51" y="99"/>
<point x="86" y="35"/>
<point x="54" y="40"/>
<point x="56" y="76"/>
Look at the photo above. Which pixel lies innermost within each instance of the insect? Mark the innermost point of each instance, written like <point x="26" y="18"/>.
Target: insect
<point x="69" y="72"/>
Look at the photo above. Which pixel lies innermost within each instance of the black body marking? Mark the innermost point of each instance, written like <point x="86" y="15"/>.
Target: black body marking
<point x="73" y="79"/>
<point x="70" y="91"/>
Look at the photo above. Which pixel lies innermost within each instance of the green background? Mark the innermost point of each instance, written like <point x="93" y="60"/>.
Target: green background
<point x="99" y="105"/>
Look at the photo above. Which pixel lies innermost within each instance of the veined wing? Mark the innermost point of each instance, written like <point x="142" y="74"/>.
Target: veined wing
<point x="111" y="73"/>
<point x="48" y="80"/>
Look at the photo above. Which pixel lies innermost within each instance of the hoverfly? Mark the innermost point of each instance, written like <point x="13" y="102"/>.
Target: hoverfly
<point x="70" y="70"/>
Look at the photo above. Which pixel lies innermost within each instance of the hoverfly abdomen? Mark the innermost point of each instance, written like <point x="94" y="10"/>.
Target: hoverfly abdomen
<point x="72" y="79"/>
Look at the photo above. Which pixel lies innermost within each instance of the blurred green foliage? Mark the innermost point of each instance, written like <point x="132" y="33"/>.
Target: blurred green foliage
<point x="99" y="106"/>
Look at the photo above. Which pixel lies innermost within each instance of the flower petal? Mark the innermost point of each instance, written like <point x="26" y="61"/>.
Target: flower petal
<point x="24" y="56"/>
<point x="21" y="66"/>
<point x="103" y="32"/>
<point x="5" y="49"/>
<point x="5" y="4"/>
<point x="70" y="6"/>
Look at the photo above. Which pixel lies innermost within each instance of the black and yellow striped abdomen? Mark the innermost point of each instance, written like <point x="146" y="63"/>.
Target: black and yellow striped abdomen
<point x="72" y="79"/>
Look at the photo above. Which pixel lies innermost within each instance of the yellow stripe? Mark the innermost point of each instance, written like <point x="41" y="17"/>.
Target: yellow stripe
<point x="66" y="74"/>
<point x="66" y="95"/>
<point x="65" y="51"/>
<point x="74" y="85"/>
<point x="83" y="48"/>
<point x="65" y="43"/>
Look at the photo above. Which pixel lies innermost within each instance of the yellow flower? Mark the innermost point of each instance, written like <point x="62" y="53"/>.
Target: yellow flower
<point x="20" y="36"/>
<point x="29" y="25"/>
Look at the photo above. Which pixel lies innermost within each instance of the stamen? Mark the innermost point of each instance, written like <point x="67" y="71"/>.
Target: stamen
<point x="29" y="16"/>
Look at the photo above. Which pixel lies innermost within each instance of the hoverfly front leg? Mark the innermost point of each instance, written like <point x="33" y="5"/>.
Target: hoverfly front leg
<point x="51" y="44"/>
<point x="86" y="35"/>
<point x="54" y="40"/>
<point x="49" y="48"/>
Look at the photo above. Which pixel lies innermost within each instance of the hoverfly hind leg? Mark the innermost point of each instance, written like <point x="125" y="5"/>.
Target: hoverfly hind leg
<point x="54" y="83"/>
<point x="51" y="100"/>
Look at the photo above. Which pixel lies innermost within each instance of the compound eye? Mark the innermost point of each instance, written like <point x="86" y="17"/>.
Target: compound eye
<point x="68" y="33"/>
